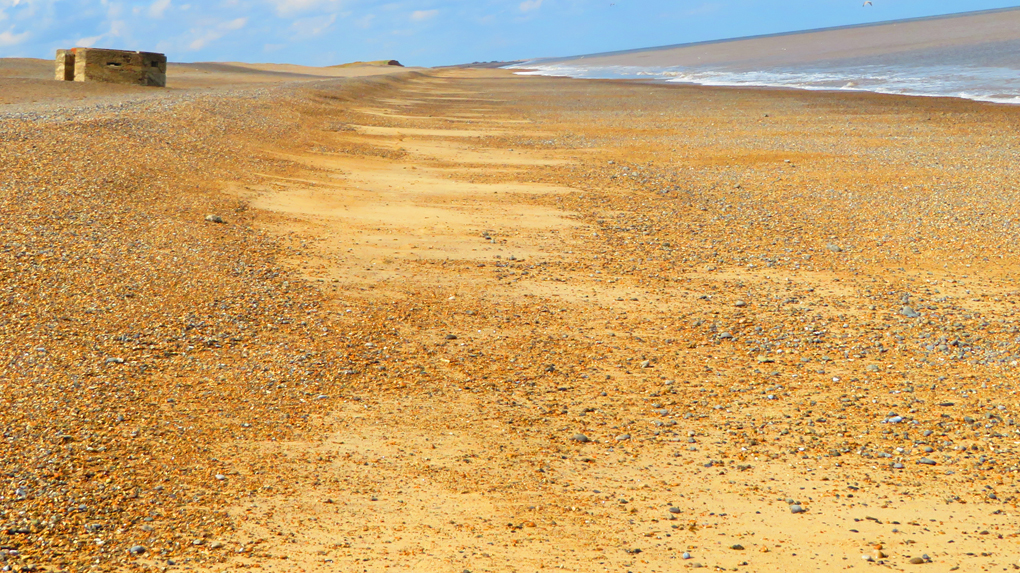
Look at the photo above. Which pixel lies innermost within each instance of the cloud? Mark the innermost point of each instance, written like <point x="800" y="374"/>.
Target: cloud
<point x="422" y="15"/>
<point x="365" y="22"/>
<point x="216" y="33"/>
<point x="88" y="42"/>
<point x="9" y="38"/>
<point x="529" y="5"/>
<point x="292" y="7"/>
<point x="311" y="27"/>
<point x="158" y="7"/>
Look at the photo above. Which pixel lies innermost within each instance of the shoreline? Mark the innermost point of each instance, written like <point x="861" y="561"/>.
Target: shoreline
<point x="764" y="87"/>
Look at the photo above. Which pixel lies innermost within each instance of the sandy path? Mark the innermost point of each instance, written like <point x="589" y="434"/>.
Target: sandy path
<point x="465" y="458"/>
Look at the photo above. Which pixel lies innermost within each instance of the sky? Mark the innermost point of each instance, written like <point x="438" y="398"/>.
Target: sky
<point x="420" y="32"/>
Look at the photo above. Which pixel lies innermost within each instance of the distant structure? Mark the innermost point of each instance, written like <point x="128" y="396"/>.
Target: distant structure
<point x="111" y="66"/>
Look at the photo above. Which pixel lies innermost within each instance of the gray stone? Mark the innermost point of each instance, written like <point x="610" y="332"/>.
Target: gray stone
<point x="214" y="218"/>
<point x="797" y="509"/>
<point x="137" y="550"/>
<point x="581" y="438"/>
<point x="926" y="462"/>
<point x="909" y="312"/>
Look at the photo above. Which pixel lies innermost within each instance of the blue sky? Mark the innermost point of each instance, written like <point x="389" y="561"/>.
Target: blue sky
<point x="420" y="32"/>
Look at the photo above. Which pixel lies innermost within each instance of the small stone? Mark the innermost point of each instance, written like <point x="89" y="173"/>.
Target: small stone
<point x="928" y="449"/>
<point x="198" y="542"/>
<point x="581" y="438"/>
<point x="214" y="218"/>
<point x="113" y="360"/>
<point x="646" y="363"/>
<point x="872" y="368"/>
<point x="868" y="558"/>
<point x="895" y="420"/>
<point x="909" y="312"/>
<point x="686" y="555"/>
<point x="740" y="304"/>
<point x="737" y="547"/>
<point x="137" y="550"/>
<point x="834" y="248"/>
<point x="917" y="561"/>
<point x="926" y="462"/>
<point x="220" y="477"/>
<point x="674" y="509"/>
<point x="897" y="466"/>
<point x="762" y="359"/>
<point x="622" y="437"/>
<point x="797" y="509"/>
<point x="215" y="545"/>
<point x="451" y="337"/>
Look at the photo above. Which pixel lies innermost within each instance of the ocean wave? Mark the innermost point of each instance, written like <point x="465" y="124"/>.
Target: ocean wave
<point x="988" y="84"/>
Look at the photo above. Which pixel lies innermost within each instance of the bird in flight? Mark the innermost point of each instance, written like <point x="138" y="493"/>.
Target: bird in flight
<point x="868" y="3"/>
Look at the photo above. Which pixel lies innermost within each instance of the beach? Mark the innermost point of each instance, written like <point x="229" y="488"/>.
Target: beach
<point x="464" y="320"/>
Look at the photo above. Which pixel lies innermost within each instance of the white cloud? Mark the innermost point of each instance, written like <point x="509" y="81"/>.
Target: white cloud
<point x="157" y="8"/>
<point x="235" y="24"/>
<point x="311" y="27"/>
<point x="529" y="5"/>
<point x="9" y="38"/>
<point x="88" y="42"/>
<point x="291" y="7"/>
<point x="216" y="33"/>
<point x="422" y="15"/>
<point x="365" y="22"/>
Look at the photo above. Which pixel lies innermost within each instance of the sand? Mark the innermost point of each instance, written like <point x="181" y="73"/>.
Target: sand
<point x="602" y="326"/>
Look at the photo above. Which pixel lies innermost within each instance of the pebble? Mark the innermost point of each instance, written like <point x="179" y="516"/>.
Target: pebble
<point x="909" y="312"/>
<point x="137" y="549"/>
<point x="797" y="509"/>
<point x="686" y="555"/>
<point x="622" y="437"/>
<point x="581" y="438"/>
<point x="926" y="462"/>
<point x="214" y="218"/>
<point x="674" y="510"/>
<point x="917" y="560"/>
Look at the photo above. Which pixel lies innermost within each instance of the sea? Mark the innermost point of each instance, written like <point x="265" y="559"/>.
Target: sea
<point x="973" y="55"/>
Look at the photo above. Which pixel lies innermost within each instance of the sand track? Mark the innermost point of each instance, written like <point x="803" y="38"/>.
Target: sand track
<point x="382" y="359"/>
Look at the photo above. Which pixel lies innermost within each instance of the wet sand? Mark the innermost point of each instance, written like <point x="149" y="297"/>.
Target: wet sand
<point x="464" y="320"/>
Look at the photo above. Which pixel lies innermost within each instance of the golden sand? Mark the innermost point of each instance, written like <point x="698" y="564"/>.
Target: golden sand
<point x="463" y="320"/>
